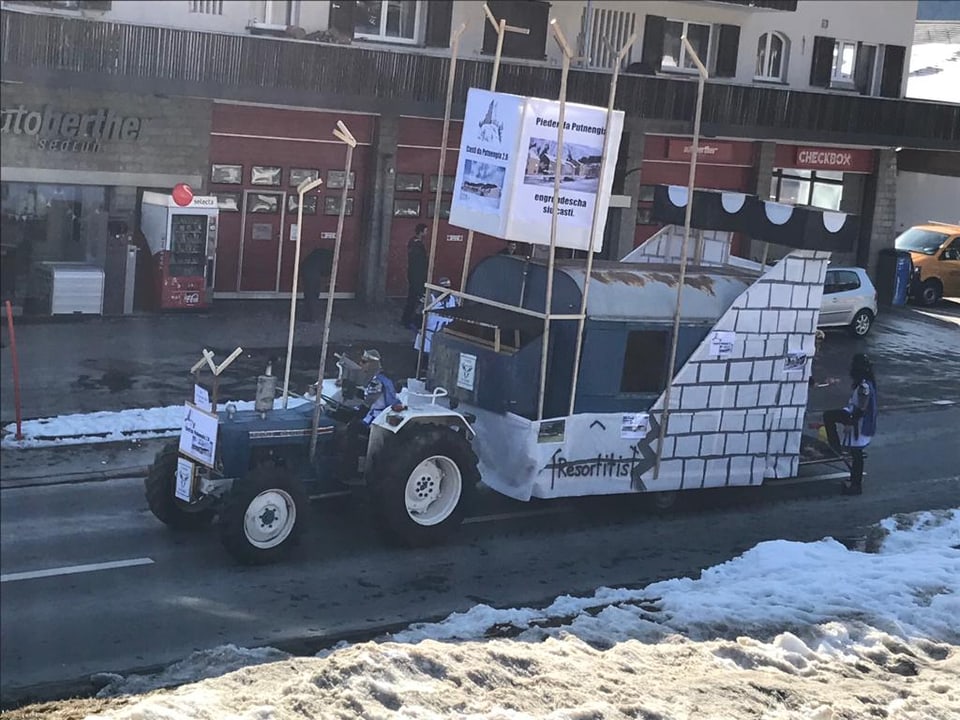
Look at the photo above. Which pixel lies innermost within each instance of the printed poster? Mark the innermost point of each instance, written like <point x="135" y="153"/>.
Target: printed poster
<point x="795" y="362"/>
<point x="198" y="435"/>
<point x="508" y="166"/>
<point x="634" y="426"/>
<point x="185" y="470"/>
<point x="488" y="144"/>
<point x="467" y="371"/>
<point x="578" y="166"/>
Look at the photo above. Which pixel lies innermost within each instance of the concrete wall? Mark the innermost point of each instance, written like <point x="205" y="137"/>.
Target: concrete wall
<point x="739" y="419"/>
<point x="171" y="144"/>
<point x="922" y="197"/>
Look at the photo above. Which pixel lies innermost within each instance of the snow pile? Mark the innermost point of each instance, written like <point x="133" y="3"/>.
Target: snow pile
<point x="787" y="631"/>
<point x="101" y="427"/>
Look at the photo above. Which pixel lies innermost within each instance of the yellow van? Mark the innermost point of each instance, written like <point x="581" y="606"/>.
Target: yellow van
<point x="935" y="251"/>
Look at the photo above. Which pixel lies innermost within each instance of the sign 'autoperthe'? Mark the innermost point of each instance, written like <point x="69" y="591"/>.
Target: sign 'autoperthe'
<point x="70" y="131"/>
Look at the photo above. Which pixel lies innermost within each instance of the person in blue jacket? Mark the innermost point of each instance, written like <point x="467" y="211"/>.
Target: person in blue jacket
<point x="853" y="426"/>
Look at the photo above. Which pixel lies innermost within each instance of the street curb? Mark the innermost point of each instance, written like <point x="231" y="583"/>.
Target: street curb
<point x="75" y="478"/>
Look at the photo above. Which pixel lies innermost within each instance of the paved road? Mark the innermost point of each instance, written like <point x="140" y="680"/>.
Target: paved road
<point x="187" y="595"/>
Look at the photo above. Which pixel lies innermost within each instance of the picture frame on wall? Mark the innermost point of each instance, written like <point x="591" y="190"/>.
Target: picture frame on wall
<point x="309" y="203"/>
<point x="404" y="207"/>
<point x="331" y="205"/>
<point x="335" y="179"/>
<point x="408" y="182"/>
<point x="263" y="203"/>
<point x="444" y="209"/>
<point x="226" y="174"/>
<point x="227" y="201"/>
<point x="265" y="175"/>
<point x="447" y="183"/>
<point x="298" y="175"/>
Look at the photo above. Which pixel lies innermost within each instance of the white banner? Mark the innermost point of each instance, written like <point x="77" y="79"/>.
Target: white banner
<point x="509" y="164"/>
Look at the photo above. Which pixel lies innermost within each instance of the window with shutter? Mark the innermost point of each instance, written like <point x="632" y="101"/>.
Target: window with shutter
<point x="821" y="64"/>
<point x="530" y="14"/>
<point x="439" y="23"/>
<point x="891" y="79"/>
<point x="728" y="46"/>
<point x="651" y="58"/>
<point x="341" y="16"/>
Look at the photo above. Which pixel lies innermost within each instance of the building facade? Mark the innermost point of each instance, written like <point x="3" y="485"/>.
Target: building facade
<point x="105" y="100"/>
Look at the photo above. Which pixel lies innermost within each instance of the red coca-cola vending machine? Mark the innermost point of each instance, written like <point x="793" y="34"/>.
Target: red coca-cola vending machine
<point x="181" y="233"/>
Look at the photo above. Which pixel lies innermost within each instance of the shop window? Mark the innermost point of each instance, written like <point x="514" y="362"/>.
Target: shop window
<point x="771" y="57"/>
<point x="645" y="362"/>
<point x="817" y="188"/>
<point x="387" y="20"/>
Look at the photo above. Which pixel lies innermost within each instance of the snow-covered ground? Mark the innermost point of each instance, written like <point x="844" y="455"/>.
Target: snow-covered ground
<point x="786" y="631"/>
<point x="935" y="72"/>
<point x="102" y="427"/>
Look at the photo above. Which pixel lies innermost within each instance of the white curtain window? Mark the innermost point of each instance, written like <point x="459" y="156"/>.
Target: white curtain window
<point x="844" y="60"/>
<point x="391" y="20"/>
<point x="674" y="53"/>
<point x="771" y="56"/>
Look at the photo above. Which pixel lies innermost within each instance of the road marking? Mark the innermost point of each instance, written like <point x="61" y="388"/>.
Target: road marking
<point x="943" y="402"/>
<point x="74" y="569"/>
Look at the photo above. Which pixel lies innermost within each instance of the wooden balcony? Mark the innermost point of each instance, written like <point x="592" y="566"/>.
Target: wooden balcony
<point x="152" y="60"/>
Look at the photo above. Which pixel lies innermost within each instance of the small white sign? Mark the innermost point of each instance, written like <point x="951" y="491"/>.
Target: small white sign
<point x="467" y="372"/>
<point x="198" y="436"/>
<point x="721" y="343"/>
<point x="635" y="426"/>
<point x="454" y="238"/>
<point x="795" y="363"/>
<point x="328" y="236"/>
<point x="294" y="231"/>
<point x="201" y="398"/>
<point x="185" y="470"/>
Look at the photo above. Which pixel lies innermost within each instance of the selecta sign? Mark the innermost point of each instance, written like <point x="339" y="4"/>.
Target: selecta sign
<point x="70" y="131"/>
<point x="509" y="162"/>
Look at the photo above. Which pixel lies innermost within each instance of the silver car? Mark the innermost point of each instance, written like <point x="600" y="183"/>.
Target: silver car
<point x="849" y="300"/>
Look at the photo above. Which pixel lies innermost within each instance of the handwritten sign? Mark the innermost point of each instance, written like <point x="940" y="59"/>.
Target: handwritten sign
<point x="198" y="435"/>
<point x="201" y="398"/>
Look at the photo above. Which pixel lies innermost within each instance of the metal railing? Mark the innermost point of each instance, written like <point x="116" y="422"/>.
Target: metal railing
<point x="251" y="68"/>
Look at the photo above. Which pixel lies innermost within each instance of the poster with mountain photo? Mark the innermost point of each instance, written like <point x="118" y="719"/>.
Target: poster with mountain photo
<point x="488" y="146"/>
<point x="578" y="166"/>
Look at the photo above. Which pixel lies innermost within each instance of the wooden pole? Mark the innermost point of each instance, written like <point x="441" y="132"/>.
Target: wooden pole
<point x="596" y="211"/>
<point x="557" y="172"/>
<point x="451" y="80"/>
<point x="342" y="133"/>
<point x="16" y="371"/>
<point x="694" y="152"/>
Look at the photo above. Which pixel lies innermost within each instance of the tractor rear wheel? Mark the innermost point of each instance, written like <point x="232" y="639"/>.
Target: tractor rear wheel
<point x="420" y="483"/>
<point x="262" y="515"/>
<point x="159" y="487"/>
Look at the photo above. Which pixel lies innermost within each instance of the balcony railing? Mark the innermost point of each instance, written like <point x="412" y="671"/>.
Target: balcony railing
<point x="173" y="61"/>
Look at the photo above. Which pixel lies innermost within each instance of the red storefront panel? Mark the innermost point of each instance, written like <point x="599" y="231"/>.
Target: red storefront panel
<point x="721" y="165"/>
<point x="419" y="154"/>
<point x="287" y="139"/>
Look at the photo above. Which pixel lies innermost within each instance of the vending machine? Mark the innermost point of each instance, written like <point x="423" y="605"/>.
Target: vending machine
<point x="183" y="242"/>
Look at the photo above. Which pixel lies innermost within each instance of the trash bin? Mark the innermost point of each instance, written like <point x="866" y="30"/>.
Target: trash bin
<point x="894" y="270"/>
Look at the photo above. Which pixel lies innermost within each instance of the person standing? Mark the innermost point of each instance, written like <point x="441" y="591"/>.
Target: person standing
<point x="314" y="274"/>
<point x="416" y="275"/>
<point x="857" y="421"/>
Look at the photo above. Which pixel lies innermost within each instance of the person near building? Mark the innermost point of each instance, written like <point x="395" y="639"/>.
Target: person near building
<point x="853" y="426"/>
<point x="435" y="321"/>
<point x="315" y="278"/>
<point x="416" y="275"/>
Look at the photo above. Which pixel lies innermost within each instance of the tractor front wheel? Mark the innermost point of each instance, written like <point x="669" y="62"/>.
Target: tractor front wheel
<point x="262" y="515"/>
<point x="420" y="482"/>
<point x="160" y="486"/>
